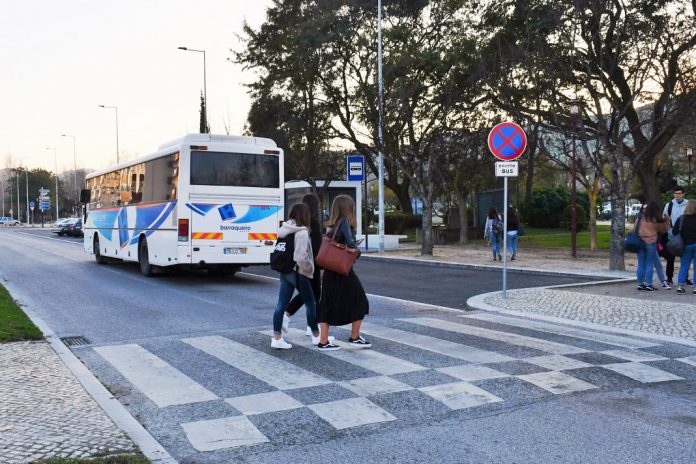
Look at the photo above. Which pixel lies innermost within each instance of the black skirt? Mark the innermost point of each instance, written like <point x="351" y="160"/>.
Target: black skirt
<point x="343" y="299"/>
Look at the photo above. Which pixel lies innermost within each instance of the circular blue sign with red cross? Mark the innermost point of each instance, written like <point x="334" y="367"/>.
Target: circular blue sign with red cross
<point x="507" y="141"/>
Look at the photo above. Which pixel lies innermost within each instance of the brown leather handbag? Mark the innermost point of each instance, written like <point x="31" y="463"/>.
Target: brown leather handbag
<point x="335" y="256"/>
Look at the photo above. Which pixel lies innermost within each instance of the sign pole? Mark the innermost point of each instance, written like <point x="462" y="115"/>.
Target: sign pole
<point x="505" y="224"/>
<point x="367" y="221"/>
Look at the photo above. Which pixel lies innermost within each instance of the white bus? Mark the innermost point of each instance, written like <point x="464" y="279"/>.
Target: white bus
<point x="206" y="201"/>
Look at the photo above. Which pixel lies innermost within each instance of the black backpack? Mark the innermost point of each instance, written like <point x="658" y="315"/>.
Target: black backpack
<point x="282" y="255"/>
<point x="498" y="225"/>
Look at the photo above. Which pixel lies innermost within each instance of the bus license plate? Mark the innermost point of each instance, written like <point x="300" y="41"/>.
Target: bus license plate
<point x="235" y="251"/>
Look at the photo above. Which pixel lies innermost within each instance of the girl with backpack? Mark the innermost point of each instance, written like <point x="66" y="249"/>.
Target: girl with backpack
<point x="648" y="226"/>
<point x="343" y="300"/>
<point x="298" y="276"/>
<point x="493" y="232"/>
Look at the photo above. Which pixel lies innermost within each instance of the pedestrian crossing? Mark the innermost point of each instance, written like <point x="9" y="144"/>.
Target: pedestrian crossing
<point x="448" y="362"/>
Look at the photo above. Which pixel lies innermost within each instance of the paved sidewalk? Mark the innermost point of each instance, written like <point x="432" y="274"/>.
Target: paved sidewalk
<point x="617" y="305"/>
<point x="45" y="412"/>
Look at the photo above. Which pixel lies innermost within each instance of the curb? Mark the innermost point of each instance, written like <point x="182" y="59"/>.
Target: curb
<point x="111" y="406"/>
<point x="486" y="267"/>
<point x="478" y="303"/>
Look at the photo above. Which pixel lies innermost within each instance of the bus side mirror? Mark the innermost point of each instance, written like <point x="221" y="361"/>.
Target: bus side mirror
<point x="85" y="195"/>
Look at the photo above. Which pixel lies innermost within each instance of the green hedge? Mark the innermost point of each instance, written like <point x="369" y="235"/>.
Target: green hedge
<point x="547" y="208"/>
<point x="397" y="223"/>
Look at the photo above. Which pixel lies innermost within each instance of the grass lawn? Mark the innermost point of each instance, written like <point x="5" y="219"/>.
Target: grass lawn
<point x="118" y="459"/>
<point x="561" y="238"/>
<point x="14" y="324"/>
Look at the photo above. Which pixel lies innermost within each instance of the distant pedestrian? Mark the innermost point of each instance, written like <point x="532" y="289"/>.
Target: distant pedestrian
<point x="343" y="300"/>
<point x="674" y="209"/>
<point x="686" y="225"/>
<point x="493" y="232"/>
<point x="299" y="278"/>
<point x="513" y="222"/>
<point x="312" y="201"/>
<point x="648" y="226"/>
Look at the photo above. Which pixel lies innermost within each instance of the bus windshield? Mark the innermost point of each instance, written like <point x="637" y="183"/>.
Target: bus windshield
<point x="234" y="169"/>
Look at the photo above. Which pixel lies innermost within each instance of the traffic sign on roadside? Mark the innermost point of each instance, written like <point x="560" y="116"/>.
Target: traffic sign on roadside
<point x="507" y="141"/>
<point x="356" y="167"/>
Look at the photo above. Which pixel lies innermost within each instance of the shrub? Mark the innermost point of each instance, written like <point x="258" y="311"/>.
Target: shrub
<point x="546" y="207"/>
<point x="397" y="223"/>
<point x="583" y="218"/>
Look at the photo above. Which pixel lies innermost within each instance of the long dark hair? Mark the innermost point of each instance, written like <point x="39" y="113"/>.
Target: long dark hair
<point x="652" y="212"/>
<point x="512" y="216"/>
<point x="300" y="214"/>
<point x="492" y="212"/>
<point x="312" y="200"/>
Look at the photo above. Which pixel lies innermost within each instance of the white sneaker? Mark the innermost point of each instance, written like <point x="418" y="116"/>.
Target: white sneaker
<point x="315" y="340"/>
<point x="308" y="332"/>
<point x="280" y="344"/>
<point x="286" y="323"/>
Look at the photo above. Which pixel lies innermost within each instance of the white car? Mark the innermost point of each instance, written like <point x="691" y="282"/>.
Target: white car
<point x="8" y="221"/>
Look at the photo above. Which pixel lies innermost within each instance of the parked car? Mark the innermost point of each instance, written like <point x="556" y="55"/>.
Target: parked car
<point x="8" y="221"/>
<point x="57" y="226"/>
<point x="75" y="229"/>
<point x="64" y="227"/>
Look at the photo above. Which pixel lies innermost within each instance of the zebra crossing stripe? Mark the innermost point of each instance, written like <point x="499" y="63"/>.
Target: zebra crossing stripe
<point x="539" y="326"/>
<point x="276" y="372"/>
<point x="641" y="372"/>
<point x="634" y="356"/>
<point x="263" y="403"/>
<point x="353" y="412"/>
<point x="691" y="360"/>
<point x="369" y="386"/>
<point x="506" y="337"/>
<point x="155" y="378"/>
<point x="435" y="345"/>
<point x="228" y="432"/>
<point x="367" y="359"/>
<point x="557" y="383"/>
<point x="460" y="395"/>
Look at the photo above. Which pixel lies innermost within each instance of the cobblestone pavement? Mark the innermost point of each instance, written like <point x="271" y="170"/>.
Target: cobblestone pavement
<point x="45" y="412"/>
<point x="673" y="319"/>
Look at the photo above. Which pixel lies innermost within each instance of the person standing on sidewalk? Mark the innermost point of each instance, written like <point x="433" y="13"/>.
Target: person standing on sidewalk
<point x="298" y="278"/>
<point x="686" y="225"/>
<point x="674" y="209"/>
<point x="312" y="201"/>
<point x="493" y="232"/>
<point x="513" y="222"/>
<point x="343" y="300"/>
<point x="648" y="226"/>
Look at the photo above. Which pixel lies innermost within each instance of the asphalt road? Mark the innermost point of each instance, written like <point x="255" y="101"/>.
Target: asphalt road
<point x="188" y="356"/>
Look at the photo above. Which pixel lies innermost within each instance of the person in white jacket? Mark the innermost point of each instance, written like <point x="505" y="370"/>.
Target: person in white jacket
<point x="299" y="278"/>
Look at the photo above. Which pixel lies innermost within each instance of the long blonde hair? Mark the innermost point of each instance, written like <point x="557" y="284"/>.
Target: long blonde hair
<point x="690" y="208"/>
<point x="343" y="206"/>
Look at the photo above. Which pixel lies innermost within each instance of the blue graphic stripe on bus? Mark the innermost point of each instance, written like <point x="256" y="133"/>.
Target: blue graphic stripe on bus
<point x="227" y="212"/>
<point x="257" y="213"/>
<point x="123" y="227"/>
<point x="104" y="221"/>
<point x="200" y="208"/>
<point x="157" y="214"/>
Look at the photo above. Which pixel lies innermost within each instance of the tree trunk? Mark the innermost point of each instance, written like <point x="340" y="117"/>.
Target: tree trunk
<point x="618" y="226"/>
<point x="593" y="194"/>
<point x="404" y="198"/>
<point x="530" y="179"/>
<point x="646" y="175"/>
<point x="427" y="242"/>
<point x="463" y="218"/>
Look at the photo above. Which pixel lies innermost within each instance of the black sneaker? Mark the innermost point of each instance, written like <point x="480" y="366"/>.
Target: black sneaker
<point x="360" y="341"/>
<point x="328" y="347"/>
<point x="681" y="291"/>
<point x="641" y="287"/>
<point x="650" y="288"/>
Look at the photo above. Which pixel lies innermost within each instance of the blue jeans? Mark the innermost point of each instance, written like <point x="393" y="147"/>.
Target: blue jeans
<point x="495" y="243"/>
<point x="646" y="263"/>
<point x="657" y="264"/>
<point x="288" y="283"/>
<point x="687" y="259"/>
<point x="512" y="241"/>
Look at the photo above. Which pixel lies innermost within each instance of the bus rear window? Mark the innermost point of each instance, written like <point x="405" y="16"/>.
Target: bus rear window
<point x="234" y="169"/>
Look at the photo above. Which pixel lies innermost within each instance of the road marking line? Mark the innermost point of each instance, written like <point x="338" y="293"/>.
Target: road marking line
<point x="634" y="356"/>
<point x="367" y="359"/>
<point x="352" y="412"/>
<point x="375" y="386"/>
<point x="557" y="362"/>
<point x="228" y="432"/>
<point x="608" y="339"/>
<point x="460" y="395"/>
<point x="157" y="379"/>
<point x="641" y="372"/>
<point x="505" y="337"/>
<point x="276" y="372"/>
<point x="436" y="345"/>
<point x="688" y="360"/>
<point x="556" y="382"/>
<point x="472" y="372"/>
<point x="263" y="403"/>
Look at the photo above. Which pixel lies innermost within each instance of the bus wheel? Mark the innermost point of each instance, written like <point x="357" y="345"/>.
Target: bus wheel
<point x="97" y="252"/>
<point x="144" y="259"/>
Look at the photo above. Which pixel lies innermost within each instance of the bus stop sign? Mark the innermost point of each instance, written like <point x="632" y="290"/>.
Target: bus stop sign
<point x="507" y="141"/>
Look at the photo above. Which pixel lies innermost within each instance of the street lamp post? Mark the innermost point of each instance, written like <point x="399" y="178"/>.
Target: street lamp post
<point x="77" y="194"/>
<point x="26" y="181"/>
<point x="574" y="113"/>
<point x="689" y="155"/>
<point x="55" y="157"/>
<point x="2" y="186"/>
<point x="205" y="92"/>
<point x="380" y="160"/>
<point x="116" y="108"/>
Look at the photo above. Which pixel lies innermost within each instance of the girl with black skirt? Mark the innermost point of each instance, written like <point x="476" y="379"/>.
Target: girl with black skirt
<point x="343" y="300"/>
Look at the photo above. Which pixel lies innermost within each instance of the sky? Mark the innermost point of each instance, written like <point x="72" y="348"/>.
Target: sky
<point x="61" y="59"/>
